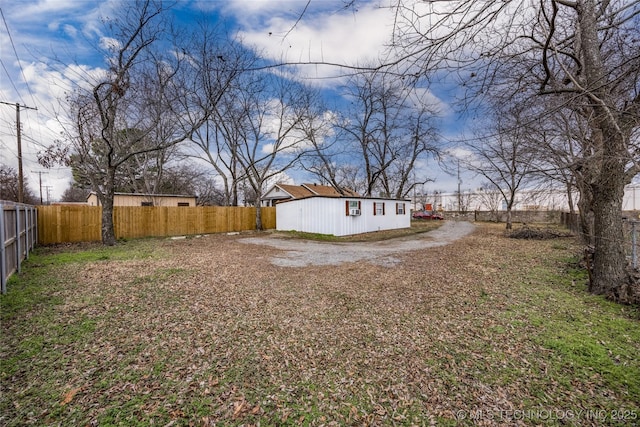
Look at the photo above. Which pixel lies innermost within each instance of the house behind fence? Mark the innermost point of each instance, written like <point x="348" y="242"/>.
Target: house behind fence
<point x="18" y="234"/>
<point x="138" y="199"/>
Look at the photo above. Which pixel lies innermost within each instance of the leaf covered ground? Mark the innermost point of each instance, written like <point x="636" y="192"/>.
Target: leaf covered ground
<point x="207" y="331"/>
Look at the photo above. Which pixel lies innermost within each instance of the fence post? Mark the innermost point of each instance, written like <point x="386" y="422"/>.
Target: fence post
<point x="18" y="241"/>
<point x="3" y="250"/>
<point x="27" y="230"/>
<point x="634" y="250"/>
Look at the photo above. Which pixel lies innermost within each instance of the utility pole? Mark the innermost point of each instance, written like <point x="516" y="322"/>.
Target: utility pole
<point x="459" y="193"/>
<point x="20" y="174"/>
<point x="48" y="189"/>
<point x="40" y="181"/>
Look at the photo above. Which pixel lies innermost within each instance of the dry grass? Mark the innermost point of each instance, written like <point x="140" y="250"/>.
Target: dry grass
<point x="208" y="332"/>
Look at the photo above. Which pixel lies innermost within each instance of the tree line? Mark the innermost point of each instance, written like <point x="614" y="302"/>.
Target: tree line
<point x="556" y="83"/>
<point x="560" y="82"/>
<point x="198" y="112"/>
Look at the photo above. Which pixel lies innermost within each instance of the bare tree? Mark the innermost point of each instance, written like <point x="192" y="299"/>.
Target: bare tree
<point x="220" y="62"/>
<point x="74" y="193"/>
<point x="259" y="126"/>
<point x="9" y="186"/>
<point x="488" y="196"/>
<point x="136" y="106"/>
<point x="389" y="128"/>
<point x="562" y="142"/>
<point x="326" y="151"/>
<point x="503" y="158"/>
<point x="583" y="52"/>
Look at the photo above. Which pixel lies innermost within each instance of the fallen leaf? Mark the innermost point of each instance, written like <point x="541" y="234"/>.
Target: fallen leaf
<point x="68" y="397"/>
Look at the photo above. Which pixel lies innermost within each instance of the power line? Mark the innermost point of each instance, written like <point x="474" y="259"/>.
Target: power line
<point x="11" y="80"/>
<point x="17" y="58"/>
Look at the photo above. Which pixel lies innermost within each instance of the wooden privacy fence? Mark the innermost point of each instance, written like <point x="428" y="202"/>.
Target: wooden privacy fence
<point x="18" y="234"/>
<point x="79" y="223"/>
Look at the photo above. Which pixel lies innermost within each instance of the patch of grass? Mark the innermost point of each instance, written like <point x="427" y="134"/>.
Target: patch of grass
<point x="208" y="332"/>
<point x="589" y="344"/>
<point x="309" y="236"/>
<point x="417" y="227"/>
<point x="92" y="252"/>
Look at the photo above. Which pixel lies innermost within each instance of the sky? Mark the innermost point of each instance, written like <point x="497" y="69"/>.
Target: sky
<point x="47" y="45"/>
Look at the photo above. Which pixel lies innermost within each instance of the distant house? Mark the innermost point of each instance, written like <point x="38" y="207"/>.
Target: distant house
<point x="283" y="192"/>
<point x="135" y="199"/>
<point x="343" y="215"/>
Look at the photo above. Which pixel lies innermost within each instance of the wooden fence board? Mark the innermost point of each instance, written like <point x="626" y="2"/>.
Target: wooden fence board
<point x="79" y="223"/>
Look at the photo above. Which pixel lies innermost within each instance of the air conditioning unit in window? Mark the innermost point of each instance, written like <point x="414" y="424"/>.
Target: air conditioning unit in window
<point x="354" y="212"/>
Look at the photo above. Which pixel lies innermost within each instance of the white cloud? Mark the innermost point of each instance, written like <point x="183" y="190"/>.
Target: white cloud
<point x="70" y="30"/>
<point x="109" y="43"/>
<point x="57" y="39"/>
<point x="41" y="127"/>
<point x="352" y="38"/>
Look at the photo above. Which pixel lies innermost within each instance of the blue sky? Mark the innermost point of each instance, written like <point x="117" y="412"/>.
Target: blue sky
<point x="47" y="45"/>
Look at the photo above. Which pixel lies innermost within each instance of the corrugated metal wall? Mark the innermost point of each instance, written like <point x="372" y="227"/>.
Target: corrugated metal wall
<point x="328" y="216"/>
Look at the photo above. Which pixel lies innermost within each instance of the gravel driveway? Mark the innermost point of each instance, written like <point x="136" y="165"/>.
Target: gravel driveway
<point x="302" y="253"/>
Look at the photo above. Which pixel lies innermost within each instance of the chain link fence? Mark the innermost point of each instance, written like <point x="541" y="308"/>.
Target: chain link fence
<point x="632" y="241"/>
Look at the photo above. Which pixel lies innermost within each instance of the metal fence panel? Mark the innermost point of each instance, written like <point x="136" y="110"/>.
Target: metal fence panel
<point x="632" y="241"/>
<point x="18" y="236"/>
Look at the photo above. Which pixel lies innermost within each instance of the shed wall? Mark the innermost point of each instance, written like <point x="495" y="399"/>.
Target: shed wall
<point x="328" y="216"/>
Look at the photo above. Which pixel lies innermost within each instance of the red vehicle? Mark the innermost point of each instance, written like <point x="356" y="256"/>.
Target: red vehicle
<point x="427" y="215"/>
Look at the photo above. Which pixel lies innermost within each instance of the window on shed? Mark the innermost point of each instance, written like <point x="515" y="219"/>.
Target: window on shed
<point x="181" y="204"/>
<point x="146" y="204"/>
<point x="351" y="204"/>
<point x="400" y="209"/>
<point x="378" y="208"/>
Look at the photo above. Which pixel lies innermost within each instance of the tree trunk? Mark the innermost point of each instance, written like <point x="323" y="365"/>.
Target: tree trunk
<point x="258" y="215"/>
<point x="585" y="216"/>
<point x="108" y="232"/>
<point x="610" y="276"/>
<point x="509" y="222"/>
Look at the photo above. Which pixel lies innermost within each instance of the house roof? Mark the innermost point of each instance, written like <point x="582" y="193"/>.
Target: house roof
<point x="328" y="191"/>
<point x="295" y="191"/>
<point x="310" y="190"/>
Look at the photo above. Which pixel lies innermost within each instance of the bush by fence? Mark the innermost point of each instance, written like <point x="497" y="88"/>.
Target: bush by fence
<point x="17" y="237"/>
<point x="73" y="223"/>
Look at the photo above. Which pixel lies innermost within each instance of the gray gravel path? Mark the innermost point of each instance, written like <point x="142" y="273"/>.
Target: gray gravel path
<point x="301" y="253"/>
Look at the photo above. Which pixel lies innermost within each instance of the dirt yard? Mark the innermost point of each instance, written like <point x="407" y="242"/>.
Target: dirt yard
<point x="301" y="253"/>
<point x="268" y="330"/>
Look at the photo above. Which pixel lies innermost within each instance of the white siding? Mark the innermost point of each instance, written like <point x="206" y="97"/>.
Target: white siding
<point x="326" y="215"/>
<point x="631" y="200"/>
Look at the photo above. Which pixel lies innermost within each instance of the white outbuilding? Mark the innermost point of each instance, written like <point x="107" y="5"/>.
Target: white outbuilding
<point x="342" y="216"/>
